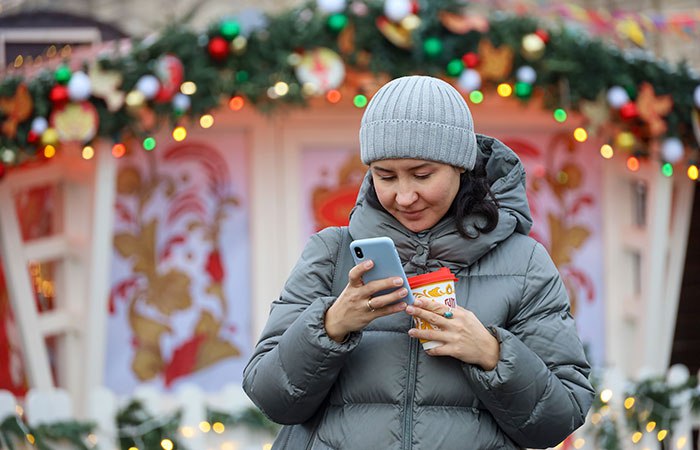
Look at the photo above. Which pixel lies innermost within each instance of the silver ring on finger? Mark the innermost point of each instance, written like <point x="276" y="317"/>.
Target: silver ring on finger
<point x="448" y="314"/>
<point x="369" y="305"/>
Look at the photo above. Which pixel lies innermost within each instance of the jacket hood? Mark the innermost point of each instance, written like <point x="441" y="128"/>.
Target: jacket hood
<point x="442" y="245"/>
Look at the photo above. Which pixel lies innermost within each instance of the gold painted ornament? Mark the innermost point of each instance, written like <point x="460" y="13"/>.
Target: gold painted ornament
<point x="597" y="113"/>
<point x="463" y="23"/>
<point x="75" y="122"/>
<point x="532" y="47"/>
<point x="16" y="109"/>
<point x="651" y="109"/>
<point x="321" y="67"/>
<point x="496" y="63"/>
<point x="105" y="85"/>
<point x="395" y="33"/>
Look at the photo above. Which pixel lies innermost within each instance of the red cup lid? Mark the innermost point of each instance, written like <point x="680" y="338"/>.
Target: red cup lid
<point x="442" y="274"/>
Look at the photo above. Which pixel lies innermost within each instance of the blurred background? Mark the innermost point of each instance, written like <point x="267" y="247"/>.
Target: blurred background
<point x="163" y="163"/>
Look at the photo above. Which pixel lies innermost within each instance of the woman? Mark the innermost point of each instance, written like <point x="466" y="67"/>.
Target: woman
<point x="512" y="372"/>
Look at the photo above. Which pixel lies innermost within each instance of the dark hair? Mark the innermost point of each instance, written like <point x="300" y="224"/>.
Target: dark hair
<point x="473" y="197"/>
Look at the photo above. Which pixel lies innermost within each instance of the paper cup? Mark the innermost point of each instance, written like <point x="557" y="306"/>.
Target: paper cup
<point x="438" y="286"/>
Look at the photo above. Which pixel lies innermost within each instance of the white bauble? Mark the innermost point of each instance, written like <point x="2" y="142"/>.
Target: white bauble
<point x="79" y="87"/>
<point x="331" y="6"/>
<point x="696" y="97"/>
<point x="148" y="85"/>
<point x="39" y="125"/>
<point x="181" y="102"/>
<point x="526" y="74"/>
<point x="617" y="97"/>
<point x="469" y="80"/>
<point x="672" y="150"/>
<point x="397" y="10"/>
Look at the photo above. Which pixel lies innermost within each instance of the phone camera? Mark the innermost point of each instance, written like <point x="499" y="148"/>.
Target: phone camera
<point x="358" y="252"/>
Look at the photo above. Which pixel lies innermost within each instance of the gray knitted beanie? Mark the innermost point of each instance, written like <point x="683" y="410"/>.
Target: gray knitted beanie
<point x="418" y="117"/>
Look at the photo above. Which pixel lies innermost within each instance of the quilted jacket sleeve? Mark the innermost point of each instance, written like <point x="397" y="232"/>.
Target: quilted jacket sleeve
<point x="539" y="392"/>
<point x="295" y="363"/>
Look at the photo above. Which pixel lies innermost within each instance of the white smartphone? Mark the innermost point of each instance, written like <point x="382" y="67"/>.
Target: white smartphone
<point x="386" y="259"/>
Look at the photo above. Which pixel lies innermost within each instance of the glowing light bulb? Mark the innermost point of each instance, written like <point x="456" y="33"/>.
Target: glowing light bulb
<point x="580" y="134"/>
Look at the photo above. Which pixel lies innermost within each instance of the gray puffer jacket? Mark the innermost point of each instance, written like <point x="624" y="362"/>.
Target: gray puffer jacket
<point x="383" y="391"/>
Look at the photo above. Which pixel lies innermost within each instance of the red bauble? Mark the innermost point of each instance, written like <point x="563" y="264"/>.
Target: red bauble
<point x="32" y="137"/>
<point x="218" y="48"/>
<point x="2" y="170"/>
<point x="543" y="35"/>
<point x="58" y="94"/>
<point x="415" y="7"/>
<point x="629" y="111"/>
<point x="470" y="60"/>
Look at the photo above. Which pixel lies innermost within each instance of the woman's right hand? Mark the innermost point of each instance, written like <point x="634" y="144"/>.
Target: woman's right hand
<point x="356" y="306"/>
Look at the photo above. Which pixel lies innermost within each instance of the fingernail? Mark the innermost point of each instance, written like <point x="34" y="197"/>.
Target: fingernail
<point x="403" y="292"/>
<point x="368" y="264"/>
<point x="411" y="332"/>
<point x="398" y="281"/>
<point x="410" y="309"/>
<point x="418" y="302"/>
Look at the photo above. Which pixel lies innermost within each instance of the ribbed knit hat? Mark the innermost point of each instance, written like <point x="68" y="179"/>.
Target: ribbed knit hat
<point x="418" y="117"/>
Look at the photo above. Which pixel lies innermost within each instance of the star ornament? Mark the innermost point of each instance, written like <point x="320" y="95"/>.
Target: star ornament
<point x="597" y="112"/>
<point x="496" y="63"/>
<point x="105" y="84"/>
<point x="652" y="109"/>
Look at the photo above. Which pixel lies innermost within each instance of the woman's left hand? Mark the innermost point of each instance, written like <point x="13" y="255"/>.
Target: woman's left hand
<point x="464" y="336"/>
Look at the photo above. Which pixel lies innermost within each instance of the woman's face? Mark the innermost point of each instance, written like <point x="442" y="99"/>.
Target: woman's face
<point x="416" y="192"/>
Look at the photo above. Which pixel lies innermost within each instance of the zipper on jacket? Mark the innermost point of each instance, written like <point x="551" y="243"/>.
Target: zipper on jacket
<point x="407" y="443"/>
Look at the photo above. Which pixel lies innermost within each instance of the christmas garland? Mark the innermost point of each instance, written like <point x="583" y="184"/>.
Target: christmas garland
<point x="651" y="405"/>
<point x="345" y="50"/>
<point x="137" y="428"/>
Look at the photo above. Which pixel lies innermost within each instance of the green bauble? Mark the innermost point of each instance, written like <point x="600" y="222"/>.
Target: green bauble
<point x="337" y="22"/>
<point x="522" y="89"/>
<point x="455" y="67"/>
<point x="229" y="29"/>
<point x="62" y="74"/>
<point x="432" y="47"/>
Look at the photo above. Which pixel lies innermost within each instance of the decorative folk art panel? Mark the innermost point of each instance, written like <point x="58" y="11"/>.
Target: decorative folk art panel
<point x="179" y="307"/>
<point x="564" y="180"/>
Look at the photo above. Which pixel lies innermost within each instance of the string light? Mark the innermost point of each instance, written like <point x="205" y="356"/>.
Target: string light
<point x="636" y="437"/>
<point x="680" y="443"/>
<point x="118" y="150"/>
<point x="167" y="444"/>
<point x="629" y="402"/>
<point x="88" y="152"/>
<point x="267" y="447"/>
<point x="19" y="410"/>
<point x="205" y="427"/>
<point x="580" y="134"/>
<point x="504" y="90"/>
<point x="476" y="96"/>
<point x="360" y="101"/>
<point x="236" y="103"/>
<point x="633" y="163"/>
<point x="606" y="151"/>
<point x="188" y="88"/>
<point x="187" y="432"/>
<point x="49" y="151"/>
<point x="333" y="96"/>
<point x="179" y="133"/>
<point x="580" y="442"/>
<point x="661" y="435"/>
<point x="218" y="427"/>
<point x="19" y="60"/>
<point x="693" y="172"/>
<point x="667" y="169"/>
<point x="133" y="448"/>
<point x="149" y="144"/>
<point x="206" y="121"/>
<point x="606" y="395"/>
<point x="560" y="115"/>
<point x="650" y="426"/>
<point x="30" y="438"/>
<point x="281" y="88"/>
